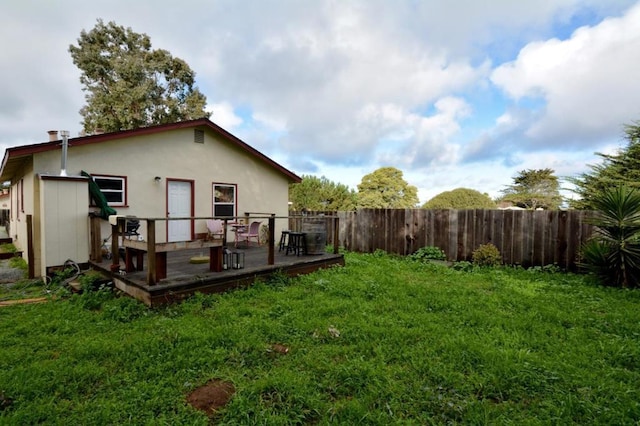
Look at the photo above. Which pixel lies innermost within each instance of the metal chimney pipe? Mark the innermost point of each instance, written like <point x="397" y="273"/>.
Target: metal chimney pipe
<point x="65" y="145"/>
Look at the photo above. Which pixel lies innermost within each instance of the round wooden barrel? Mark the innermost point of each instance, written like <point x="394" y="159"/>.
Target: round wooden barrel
<point x="316" y="235"/>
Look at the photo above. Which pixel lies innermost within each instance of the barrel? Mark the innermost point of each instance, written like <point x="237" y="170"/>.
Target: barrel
<point x="316" y="235"/>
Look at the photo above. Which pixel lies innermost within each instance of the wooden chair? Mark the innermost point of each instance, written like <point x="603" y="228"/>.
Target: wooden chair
<point x="252" y="232"/>
<point x="215" y="229"/>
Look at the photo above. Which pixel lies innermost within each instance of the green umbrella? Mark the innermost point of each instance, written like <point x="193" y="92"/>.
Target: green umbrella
<point x="98" y="197"/>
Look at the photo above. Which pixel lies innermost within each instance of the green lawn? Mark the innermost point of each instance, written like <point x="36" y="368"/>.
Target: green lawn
<point x="383" y="340"/>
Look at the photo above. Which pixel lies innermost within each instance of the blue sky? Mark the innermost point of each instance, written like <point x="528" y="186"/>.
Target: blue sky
<point x="455" y="94"/>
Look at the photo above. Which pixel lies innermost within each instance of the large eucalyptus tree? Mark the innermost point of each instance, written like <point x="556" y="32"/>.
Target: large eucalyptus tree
<point x="129" y="85"/>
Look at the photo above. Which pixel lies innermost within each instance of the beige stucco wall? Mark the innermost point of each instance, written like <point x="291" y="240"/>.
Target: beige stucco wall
<point x="21" y="208"/>
<point x="175" y="155"/>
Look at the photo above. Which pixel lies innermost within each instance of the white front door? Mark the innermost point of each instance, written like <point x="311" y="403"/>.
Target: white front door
<point x="179" y="205"/>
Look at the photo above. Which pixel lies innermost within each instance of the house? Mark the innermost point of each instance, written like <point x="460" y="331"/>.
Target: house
<point x="186" y="169"/>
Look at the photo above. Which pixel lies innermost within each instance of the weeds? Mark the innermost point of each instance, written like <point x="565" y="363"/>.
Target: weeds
<point x="18" y="263"/>
<point x="8" y="248"/>
<point x="428" y="253"/>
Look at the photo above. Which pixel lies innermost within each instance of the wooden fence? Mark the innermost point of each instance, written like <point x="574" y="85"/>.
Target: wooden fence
<point x="524" y="237"/>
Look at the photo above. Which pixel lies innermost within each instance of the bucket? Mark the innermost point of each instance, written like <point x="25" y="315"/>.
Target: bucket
<point x="316" y="230"/>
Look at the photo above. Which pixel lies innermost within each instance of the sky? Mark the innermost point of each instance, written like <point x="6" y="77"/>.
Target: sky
<point x="456" y="93"/>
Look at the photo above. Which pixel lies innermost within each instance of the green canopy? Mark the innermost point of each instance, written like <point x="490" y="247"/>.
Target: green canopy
<point x="98" y="197"/>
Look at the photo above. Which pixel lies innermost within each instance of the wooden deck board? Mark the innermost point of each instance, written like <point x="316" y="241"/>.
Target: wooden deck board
<point x="184" y="278"/>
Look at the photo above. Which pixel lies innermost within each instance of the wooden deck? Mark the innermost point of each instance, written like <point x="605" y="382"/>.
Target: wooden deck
<point x="184" y="278"/>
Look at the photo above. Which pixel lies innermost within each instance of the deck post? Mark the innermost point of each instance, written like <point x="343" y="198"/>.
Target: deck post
<point x="115" y="237"/>
<point x="336" y="235"/>
<point x="272" y="242"/>
<point x="30" y="255"/>
<point x="152" y="277"/>
<point x="95" y="239"/>
<point x="224" y="232"/>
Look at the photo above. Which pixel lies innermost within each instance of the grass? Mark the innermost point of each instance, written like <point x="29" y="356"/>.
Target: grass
<point x="382" y="341"/>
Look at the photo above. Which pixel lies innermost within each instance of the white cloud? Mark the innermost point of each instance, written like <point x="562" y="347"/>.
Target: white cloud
<point x="588" y="82"/>
<point x="224" y="116"/>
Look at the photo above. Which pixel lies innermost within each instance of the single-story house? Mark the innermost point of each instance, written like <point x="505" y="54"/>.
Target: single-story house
<point x="186" y="169"/>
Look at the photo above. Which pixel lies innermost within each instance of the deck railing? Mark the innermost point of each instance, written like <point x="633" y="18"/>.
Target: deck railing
<point x="156" y="250"/>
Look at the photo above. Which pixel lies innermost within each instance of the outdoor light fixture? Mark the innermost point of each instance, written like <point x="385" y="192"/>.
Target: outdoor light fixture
<point x="227" y="258"/>
<point x="157" y="178"/>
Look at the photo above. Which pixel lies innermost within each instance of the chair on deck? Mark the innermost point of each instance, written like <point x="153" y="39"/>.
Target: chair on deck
<point x="215" y="230"/>
<point x="252" y="232"/>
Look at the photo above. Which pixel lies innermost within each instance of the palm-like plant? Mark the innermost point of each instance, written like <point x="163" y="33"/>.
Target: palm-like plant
<point x="613" y="254"/>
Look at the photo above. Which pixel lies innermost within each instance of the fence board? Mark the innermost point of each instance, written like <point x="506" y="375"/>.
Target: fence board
<point x="539" y="227"/>
<point x="561" y="241"/>
<point x="430" y="227"/>
<point x="460" y="237"/>
<point x="452" y="244"/>
<point x="517" y="238"/>
<point x="441" y="230"/>
<point x="418" y="230"/>
<point x="497" y="219"/>
<point x="507" y="237"/>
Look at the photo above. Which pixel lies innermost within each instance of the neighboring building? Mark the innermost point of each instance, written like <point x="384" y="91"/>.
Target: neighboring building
<point x="186" y="169"/>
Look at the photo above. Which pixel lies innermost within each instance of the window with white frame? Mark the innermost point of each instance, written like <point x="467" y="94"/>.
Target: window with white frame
<point x="114" y="188"/>
<point x="224" y="200"/>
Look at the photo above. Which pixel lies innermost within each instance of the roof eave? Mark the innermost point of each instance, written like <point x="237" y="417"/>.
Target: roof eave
<point x="26" y="150"/>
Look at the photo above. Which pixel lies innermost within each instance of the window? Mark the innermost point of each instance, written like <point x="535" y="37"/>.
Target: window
<point x="224" y="200"/>
<point x="114" y="189"/>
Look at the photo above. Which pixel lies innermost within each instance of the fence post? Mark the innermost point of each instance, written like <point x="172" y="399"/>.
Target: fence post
<point x="336" y="235"/>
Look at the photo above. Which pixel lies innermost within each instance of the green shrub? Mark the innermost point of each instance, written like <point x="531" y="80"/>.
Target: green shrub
<point x="91" y="280"/>
<point x="613" y="253"/>
<point x="428" y="253"/>
<point x="379" y="253"/>
<point x="58" y="278"/>
<point x="487" y="255"/>
<point x="95" y="290"/>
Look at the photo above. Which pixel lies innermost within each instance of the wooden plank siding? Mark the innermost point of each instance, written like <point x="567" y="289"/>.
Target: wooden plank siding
<point x="524" y="237"/>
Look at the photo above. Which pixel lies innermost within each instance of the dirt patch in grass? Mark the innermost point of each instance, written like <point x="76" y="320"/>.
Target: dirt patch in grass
<point x="212" y="396"/>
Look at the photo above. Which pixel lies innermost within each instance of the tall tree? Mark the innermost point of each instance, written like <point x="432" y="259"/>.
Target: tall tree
<point x="321" y="194"/>
<point x="129" y="85"/>
<point x="386" y="188"/>
<point x="533" y="189"/>
<point x="622" y="168"/>
<point x="460" y="198"/>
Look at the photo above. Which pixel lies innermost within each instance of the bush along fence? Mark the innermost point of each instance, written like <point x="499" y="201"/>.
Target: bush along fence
<point x="524" y="237"/>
